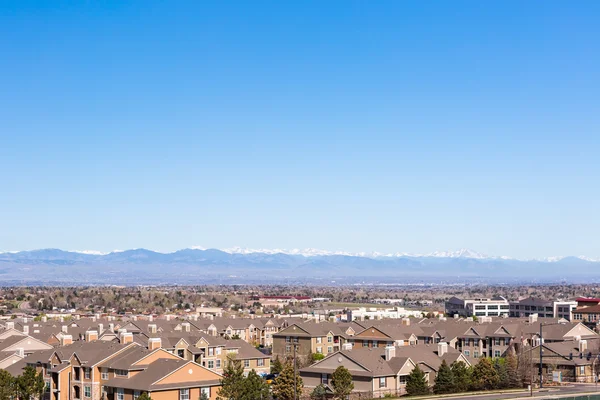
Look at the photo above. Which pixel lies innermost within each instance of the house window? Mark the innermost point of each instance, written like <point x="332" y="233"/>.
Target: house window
<point x="47" y="387"/>
<point x="402" y="379"/>
<point x="324" y="379"/>
<point x="582" y="370"/>
<point x="120" y="394"/>
<point x="329" y="349"/>
<point x="206" y="391"/>
<point x="382" y="382"/>
<point x="218" y="363"/>
<point x="260" y="362"/>
<point x="184" y="394"/>
<point x="86" y="372"/>
<point x="476" y="342"/>
<point x="121" y="372"/>
<point x="287" y="339"/>
<point x="295" y="340"/>
<point x="475" y="354"/>
<point x="329" y="339"/>
<point x="496" y="353"/>
<point x="497" y="342"/>
<point x="211" y="351"/>
<point x="211" y="364"/>
<point x="467" y="353"/>
<point x="87" y="391"/>
<point x="104" y="374"/>
<point x="288" y="348"/>
<point x="375" y="343"/>
<point x="246" y="363"/>
<point x="136" y="394"/>
<point x="319" y="340"/>
<point x="319" y="349"/>
<point x="218" y="351"/>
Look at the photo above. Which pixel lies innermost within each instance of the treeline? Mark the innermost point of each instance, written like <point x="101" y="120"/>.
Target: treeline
<point x="487" y="374"/>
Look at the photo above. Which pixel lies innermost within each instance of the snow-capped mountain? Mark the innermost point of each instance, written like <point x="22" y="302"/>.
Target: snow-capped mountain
<point x="196" y="265"/>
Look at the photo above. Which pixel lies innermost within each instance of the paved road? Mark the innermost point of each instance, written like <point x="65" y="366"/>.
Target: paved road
<point x="551" y="392"/>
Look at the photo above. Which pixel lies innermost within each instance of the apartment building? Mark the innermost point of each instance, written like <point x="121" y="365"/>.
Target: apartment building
<point x="381" y="371"/>
<point x="590" y="315"/>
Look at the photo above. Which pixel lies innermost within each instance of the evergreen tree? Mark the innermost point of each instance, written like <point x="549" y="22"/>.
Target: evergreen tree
<point x="203" y="396"/>
<point x="319" y="393"/>
<point x="500" y="367"/>
<point x="484" y="375"/>
<point x="512" y="369"/>
<point x="444" y="381"/>
<point x="254" y="388"/>
<point x="7" y="386"/>
<point x="462" y="376"/>
<point x="341" y="381"/>
<point x="276" y="366"/>
<point x="283" y="387"/>
<point x="144" y="396"/>
<point x="30" y="385"/>
<point x="416" y="384"/>
<point x="232" y="384"/>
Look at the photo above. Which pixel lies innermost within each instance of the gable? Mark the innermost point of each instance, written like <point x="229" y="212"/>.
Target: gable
<point x="337" y="359"/>
<point x="28" y="344"/>
<point x="202" y="343"/>
<point x="292" y="329"/>
<point x="372" y="333"/>
<point x="579" y="330"/>
<point x="156" y="355"/>
<point x="190" y="372"/>
<point x="407" y="368"/>
<point x="181" y="344"/>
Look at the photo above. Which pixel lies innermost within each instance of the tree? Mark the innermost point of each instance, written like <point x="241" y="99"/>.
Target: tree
<point x="276" y="366"/>
<point x="30" y="384"/>
<point x="254" y="388"/>
<point x="232" y="384"/>
<point x="500" y="367"/>
<point x="512" y="369"/>
<point x="144" y="396"/>
<point x="416" y="384"/>
<point x="444" y="381"/>
<point x="203" y="395"/>
<point x="341" y="381"/>
<point x="462" y="376"/>
<point x="7" y="386"/>
<point x="283" y="387"/>
<point x="484" y="375"/>
<point x="314" y="357"/>
<point x="319" y="393"/>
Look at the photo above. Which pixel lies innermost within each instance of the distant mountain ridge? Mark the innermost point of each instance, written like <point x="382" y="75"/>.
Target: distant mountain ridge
<point x="198" y="265"/>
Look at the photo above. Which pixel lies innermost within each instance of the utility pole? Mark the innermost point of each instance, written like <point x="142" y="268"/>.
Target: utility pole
<point x="541" y="355"/>
<point x="295" y="384"/>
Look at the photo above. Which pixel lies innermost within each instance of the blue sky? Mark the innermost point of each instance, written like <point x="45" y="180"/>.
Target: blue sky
<point x="358" y="126"/>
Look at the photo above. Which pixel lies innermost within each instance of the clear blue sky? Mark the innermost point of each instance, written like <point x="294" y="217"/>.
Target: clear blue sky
<point x="359" y="126"/>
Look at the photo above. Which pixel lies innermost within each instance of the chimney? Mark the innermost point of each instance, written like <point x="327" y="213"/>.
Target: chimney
<point x="150" y="318"/>
<point x="186" y="326"/>
<point x="583" y="346"/>
<point x="134" y="318"/>
<point x="97" y="316"/>
<point x="25" y="320"/>
<point x="168" y="317"/>
<point x="78" y="317"/>
<point x="20" y="352"/>
<point x="154" y="343"/>
<point x="406" y="321"/>
<point x="61" y="319"/>
<point x="66" y="340"/>
<point x="152" y="328"/>
<point x="44" y="319"/>
<point x="347" y="346"/>
<point x="10" y="325"/>
<point x="533" y="318"/>
<point x="126" y="338"/>
<point x="390" y="352"/>
<point x="64" y="329"/>
<point x="91" y="336"/>
<point x="111" y="327"/>
<point x="26" y="329"/>
<point x="100" y="328"/>
<point x="442" y="349"/>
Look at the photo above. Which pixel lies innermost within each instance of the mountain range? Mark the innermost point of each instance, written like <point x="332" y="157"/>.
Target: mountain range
<point x="238" y="265"/>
